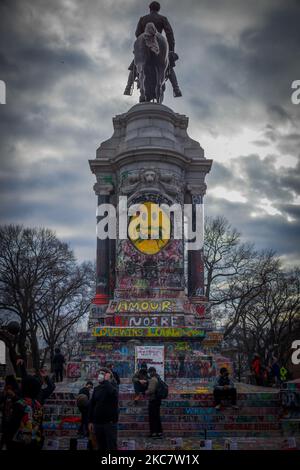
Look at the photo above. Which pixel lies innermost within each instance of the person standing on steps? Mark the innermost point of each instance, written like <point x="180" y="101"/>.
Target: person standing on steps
<point x="256" y="369"/>
<point x="83" y="400"/>
<point x="104" y="411"/>
<point x="157" y="390"/>
<point x="58" y="365"/>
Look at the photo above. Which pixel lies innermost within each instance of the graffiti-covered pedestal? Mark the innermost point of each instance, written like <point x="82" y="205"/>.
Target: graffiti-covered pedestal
<point x="149" y="304"/>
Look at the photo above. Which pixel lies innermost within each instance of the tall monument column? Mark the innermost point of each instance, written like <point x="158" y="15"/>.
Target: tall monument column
<point x="103" y="192"/>
<point x="196" y="289"/>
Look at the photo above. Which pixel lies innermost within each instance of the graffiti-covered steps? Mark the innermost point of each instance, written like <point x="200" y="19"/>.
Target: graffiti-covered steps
<point x="187" y="415"/>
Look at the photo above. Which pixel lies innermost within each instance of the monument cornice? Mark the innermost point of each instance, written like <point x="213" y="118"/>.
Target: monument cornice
<point x="106" y="165"/>
<point x="156" y="154"/>
<point x="152" y="111"/>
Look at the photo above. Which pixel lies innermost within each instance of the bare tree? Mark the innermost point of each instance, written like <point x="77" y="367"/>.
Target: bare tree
<point x="269" y="322"/>
<point x="244" y="291"/>
<point x="71" y="347"/>
<point x="256" y="302"/>
<point x="225" y="257"/>
<point x="32" y="261"/>
<point x="68" y="300"/>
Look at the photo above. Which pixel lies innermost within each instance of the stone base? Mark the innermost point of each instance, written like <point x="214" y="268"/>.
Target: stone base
<point x="184" y="357"/>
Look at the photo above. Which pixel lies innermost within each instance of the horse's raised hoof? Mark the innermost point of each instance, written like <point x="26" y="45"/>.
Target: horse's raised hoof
<point x="142" y="99"/>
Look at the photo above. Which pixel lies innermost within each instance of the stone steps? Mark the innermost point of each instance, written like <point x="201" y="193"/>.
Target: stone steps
<point x="186" y="415"/>
<point x="200" y="434"/>
<point x="209" y="420"/>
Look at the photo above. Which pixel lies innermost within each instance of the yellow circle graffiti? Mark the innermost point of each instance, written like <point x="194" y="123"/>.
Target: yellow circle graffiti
<point x="150" y="228"/>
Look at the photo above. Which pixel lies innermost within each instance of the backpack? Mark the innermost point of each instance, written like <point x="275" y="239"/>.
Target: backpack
<point x="30" y="428"/>
<point x="82" y="400"/>
<point x="162" y="390"/>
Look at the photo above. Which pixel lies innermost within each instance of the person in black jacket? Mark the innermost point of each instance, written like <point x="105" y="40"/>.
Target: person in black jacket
<point x="104" y="412"/>
<point x="156" y="431"/>
<point x="58" y="365"/>
<point x="83" y="401"/>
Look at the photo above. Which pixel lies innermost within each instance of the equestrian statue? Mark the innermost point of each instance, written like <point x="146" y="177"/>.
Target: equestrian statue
<point x="154" y="57"/>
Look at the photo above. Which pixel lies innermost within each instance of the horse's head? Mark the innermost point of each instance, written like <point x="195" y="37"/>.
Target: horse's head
<point x="150" y="29"/>
<point x="150" y="36"/>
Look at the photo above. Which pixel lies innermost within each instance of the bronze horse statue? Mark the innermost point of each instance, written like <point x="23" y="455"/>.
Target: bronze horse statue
<point x="151" y="52"/>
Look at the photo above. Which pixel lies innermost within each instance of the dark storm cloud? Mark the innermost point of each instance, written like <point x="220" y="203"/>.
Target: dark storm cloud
<point x="65" y="64"/>
<point x="265" y="231"/>
<point x="260" y="182"/>
<point x="257" y="179"/>
<point x="263" y="179"/>
<point x="246" y="79"/>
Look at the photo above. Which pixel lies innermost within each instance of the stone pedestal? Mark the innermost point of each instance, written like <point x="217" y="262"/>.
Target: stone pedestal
<point x="151" y="292"/>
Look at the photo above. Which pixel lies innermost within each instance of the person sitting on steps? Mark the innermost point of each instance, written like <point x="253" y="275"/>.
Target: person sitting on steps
<point x="140" y="382"/>
<point x="224" y="389"/>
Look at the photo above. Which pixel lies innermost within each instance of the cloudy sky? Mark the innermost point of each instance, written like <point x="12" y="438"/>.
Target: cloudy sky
<point x="65" y="67"/>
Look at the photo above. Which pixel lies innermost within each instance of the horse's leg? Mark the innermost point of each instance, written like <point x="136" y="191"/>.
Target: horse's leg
<point x="159" y="84"/>
<point x="141" y="80"/>
<point x="140" y="53"/>
<point x="142" y="85"/>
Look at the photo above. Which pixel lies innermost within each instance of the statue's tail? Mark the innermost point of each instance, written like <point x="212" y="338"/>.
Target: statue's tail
<point x="150" y="36"/>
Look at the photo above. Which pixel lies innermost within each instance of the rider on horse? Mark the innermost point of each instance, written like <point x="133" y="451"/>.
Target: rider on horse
<point x="162" y="24"/>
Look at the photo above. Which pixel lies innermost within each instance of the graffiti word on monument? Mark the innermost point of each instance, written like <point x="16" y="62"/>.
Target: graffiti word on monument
<point x="153" y="321"/>
<point x="126" y="306"/>
<point x="149" y="332"/>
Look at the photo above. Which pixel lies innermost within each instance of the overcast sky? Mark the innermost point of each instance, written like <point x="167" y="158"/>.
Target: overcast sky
<point x="65" y="67"/>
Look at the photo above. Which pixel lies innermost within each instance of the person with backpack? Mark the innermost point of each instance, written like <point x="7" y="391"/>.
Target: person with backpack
<point x="27" y="418"/>
<point x="157" y="390"/>
<point x="83" y="400"/>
